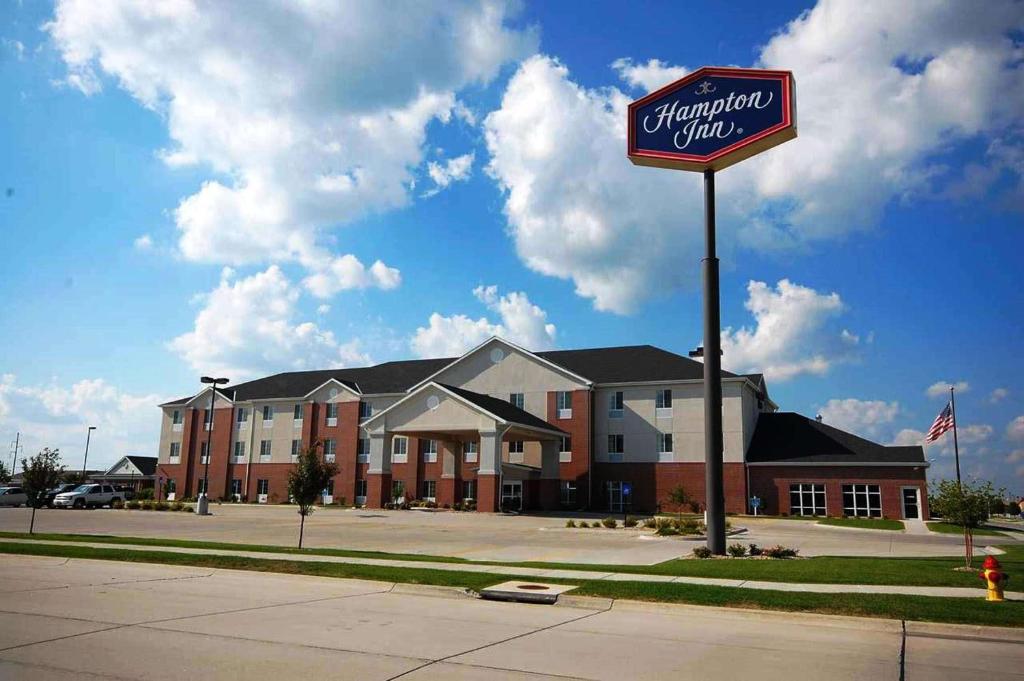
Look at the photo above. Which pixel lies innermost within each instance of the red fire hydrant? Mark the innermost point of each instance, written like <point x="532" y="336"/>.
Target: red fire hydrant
<point x="995" y="578"/>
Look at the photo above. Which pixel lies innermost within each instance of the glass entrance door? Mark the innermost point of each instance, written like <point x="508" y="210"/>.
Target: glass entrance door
<point x="910" y="503"/>
<point x="512" y="496"/>
<point x="615" y="496"/>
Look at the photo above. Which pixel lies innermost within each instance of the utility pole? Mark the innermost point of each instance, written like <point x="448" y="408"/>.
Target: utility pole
<point x="85" y="459"/>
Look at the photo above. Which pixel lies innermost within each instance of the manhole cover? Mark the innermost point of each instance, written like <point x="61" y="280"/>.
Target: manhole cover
<point x="533" y="587"/>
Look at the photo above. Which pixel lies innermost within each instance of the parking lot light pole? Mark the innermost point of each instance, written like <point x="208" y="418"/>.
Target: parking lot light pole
<point x="203" y="501"/>
<point x="85" y="459"/>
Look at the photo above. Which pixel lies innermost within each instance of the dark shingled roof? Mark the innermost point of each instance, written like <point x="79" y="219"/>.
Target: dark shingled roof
<point x="628" y="363"/>
<point x="229" y="393"/>
<point x="502" y="409"/>
<point x="785" y="437"/>
<point x="145" y="464"/>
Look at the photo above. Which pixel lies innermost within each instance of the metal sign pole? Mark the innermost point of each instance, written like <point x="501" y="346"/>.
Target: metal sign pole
<point x="714" y="489"/>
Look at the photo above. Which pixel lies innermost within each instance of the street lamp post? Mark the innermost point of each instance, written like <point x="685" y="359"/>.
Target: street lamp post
<point x="203" y="502"/>
<point x="85" y="459"/>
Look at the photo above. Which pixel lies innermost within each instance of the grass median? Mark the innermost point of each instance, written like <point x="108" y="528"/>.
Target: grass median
<point x="864" y="523"/>
<point x="926" y="608"/>
<point x="949" y="528"/>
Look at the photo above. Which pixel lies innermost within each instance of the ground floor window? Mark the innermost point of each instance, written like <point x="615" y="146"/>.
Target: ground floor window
<point x="263" y="487"/>
<point x="512" y="495"/>
<point x="171" y="487"/>
<point x="568" y="493"/>
<point x="469" y="489"/>
<point x="236" y="487"/>
<point x="807" y="499"/>
<point x="360" y="491"/>
<point x="397" y="490"/>
<point x="618" y="494"/>
<point x="430" y="490"/>
<point x="329" y="490"/>
<point x="862" y="500"/>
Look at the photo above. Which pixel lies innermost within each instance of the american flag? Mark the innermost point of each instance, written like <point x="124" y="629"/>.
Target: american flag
<point x="943" y="422"/>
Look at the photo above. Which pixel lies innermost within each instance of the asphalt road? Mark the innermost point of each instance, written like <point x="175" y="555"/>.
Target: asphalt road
<point x="79" y="619"/>
<point x="476" y="536"/>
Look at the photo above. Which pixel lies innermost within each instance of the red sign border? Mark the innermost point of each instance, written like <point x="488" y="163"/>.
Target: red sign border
<point x="734" y="153"/>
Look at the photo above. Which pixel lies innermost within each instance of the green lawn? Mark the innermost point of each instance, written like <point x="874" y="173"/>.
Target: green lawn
<point x="955" y="610"/>
<point x="948" y="528"/>
<point x="819" y="570"/>
<point x="864" y="523"/>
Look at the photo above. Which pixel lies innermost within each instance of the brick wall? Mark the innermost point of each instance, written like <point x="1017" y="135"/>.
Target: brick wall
<point x="652" y="483"/>
<point x="771" y="483"/>
<point x="578" y="428"/>
<point x="220" y="446"/>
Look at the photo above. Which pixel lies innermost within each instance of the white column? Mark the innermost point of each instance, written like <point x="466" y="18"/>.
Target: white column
<point x="380" y="453"/>
<point x="490" y="452"/>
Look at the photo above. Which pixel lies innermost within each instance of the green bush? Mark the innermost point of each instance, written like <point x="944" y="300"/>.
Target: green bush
<point x="651" y="523"/>
<point x="161" y="506"/>
<point x="737" y="550"/>
<point x="177" y="506"/>
<point x="117" y="504"/>
<point x="146" y="505"/>
<point x="630" y="521"/>
<point x="755" y="550"/>
<point x="570" y="523"/>
<point x="610" y="523"/>
<point x="701" y="552"/>
<point x="132" y="505"/>
<point x="595" y="524"/>
<point x="145" y="494"/>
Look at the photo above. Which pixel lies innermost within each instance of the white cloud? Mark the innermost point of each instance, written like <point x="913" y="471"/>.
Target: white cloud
<point x="1015" y="429"/>
<point x="311" y="114"/>
<point x="867" y="418"/>
<point x="522" y="323"/>
<point x="346" y="273"/>
<point x="941" y="388"/>
<point x="456" y="169"/>
<point x="650" y="76"/>
<point x="998" y="395"/>
<point x="16" y="47"/>
<point x="143" y="243"/>
<point x="247" y="327"/>
<point x="932" y="75"/>
<point x="793" y="334"/>
<point x="56" y="415"/>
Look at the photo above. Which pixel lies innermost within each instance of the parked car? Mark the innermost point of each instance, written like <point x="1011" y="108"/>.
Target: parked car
<point x="89" y="495"/>
<point x="12" y="496"/>
<point x="52" y="494"/>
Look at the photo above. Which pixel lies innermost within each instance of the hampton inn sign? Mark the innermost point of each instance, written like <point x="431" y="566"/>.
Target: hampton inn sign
<point x="705" y="122"/>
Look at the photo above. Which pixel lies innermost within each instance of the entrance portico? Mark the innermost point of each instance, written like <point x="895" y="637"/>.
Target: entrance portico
<point x="470" y="430"/>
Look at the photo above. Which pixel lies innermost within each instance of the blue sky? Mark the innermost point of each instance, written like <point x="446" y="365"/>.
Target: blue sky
<point x="143" y="155"/>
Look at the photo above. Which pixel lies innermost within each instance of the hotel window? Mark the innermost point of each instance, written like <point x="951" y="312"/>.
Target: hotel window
<point x="665" y="447"/>
<point x="360" y="491"/>
<point x="329" y="490"/>
<point x="400" y="449"/>
<point x="469" y="489"/>
<point x="263" y="487"/>
<point x="296" y="450"/>
<point x="265" y="450"/>
<point x="565" y="450"/>
<point x="207" y="418"/>
<point x="365" y="410"/>
<point x="563" y="403"/>
<point x="807" y="499"/>
<point x="470" y="451"/>
<point x="363" y="450"/>
<point x="239" y="451"/>
<point x="332" y="413"/>
<point x="515" y="451"/>
<point x="615" y="405"/>
<point x="330" y="449"/>
<point x="171" y="487"/>
<point x="203" y="452"/>
<point x="516" y="399"/>
<point x="201" y="486"/>
<point x="176" y="421"/>
<point x="429" y="450"/>
<point x="242" y="415"/>
<point x="397" y="490"/>
<point x="430" y="490"/>
<point x="297" y="415"/>
<point x="236" y="487"/>
<point x="616" y="445"/>
<point x="862" y="500"/>
<point x="663" y="404"/>
<point x="268" y="415"/>
<point x="175" y="453"/>
<point x="568" y="493"/>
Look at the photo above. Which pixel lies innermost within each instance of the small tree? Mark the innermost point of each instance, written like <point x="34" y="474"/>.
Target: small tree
<point x="73" y="478"/>
<point x="966" y="504"/>
<point x="307" y="480"/>
<point x="5" y="475"/>
<point x="40" y="473"/>
<point x="680" y="498"/>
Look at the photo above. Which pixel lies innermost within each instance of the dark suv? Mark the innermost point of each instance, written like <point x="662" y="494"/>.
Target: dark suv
<point x="51" y="494"/>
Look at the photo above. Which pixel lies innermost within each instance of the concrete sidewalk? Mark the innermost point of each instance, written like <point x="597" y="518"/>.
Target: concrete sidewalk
<point x="66" y="619"/>
<point x="541" y="573"/>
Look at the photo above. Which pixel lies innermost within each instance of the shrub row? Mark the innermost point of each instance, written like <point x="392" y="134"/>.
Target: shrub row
<point x="148" y="505"/>
<point x="737" y="550"/>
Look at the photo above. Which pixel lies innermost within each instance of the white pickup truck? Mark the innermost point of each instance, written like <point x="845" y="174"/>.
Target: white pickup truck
<point x="88" y="495"/>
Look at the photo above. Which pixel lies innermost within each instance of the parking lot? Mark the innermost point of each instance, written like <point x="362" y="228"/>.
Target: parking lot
<point x="476" y="536"/>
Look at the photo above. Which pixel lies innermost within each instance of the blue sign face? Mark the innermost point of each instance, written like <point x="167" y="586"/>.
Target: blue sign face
<point x="755" y="501"/>
<point x="627" y="489"/>
<point x="712" y="118"/>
